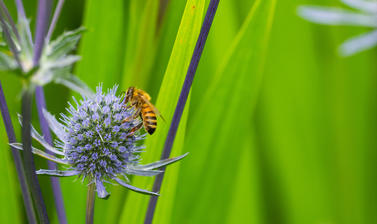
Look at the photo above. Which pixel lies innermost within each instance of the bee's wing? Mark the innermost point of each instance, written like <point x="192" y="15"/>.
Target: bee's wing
<point x="154" y="108"/>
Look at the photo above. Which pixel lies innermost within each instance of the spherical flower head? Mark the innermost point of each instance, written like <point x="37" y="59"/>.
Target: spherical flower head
<point x="101" y="140"/>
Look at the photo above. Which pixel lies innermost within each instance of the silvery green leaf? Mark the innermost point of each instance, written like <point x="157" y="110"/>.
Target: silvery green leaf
<point x="146" y="173"/>
<point x="160" y="163"/>
<point x="63" y="44"/>
<point x="359" y="43"/>
<point x="58" y="173"/>
<point x="75" y="84"/>
<point x="366" y="6"/>
<point x="334" y="16"/>
<point x="25" y="44"/>
<point x="55" y="126"/>
<point x="62" y="61"/>
<point x="42" y="76"/>
<point x="132" y="188"/>
<point x="101" y="190"/>
<point x="7" y="62"/>
<point x="41" y="154"/>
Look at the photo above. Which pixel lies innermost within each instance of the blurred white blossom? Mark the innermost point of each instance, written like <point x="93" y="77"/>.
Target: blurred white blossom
<point x="364" y="15"/>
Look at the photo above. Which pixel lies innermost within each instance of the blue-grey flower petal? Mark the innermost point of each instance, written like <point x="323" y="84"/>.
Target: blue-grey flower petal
<point x="132" y="188"/>
<point x="335" y="16"/>
<point x="160" y="163"/>
<point x="101" y="191"/>
<point x="58" y="173"/>
<point x="359" y="43"/>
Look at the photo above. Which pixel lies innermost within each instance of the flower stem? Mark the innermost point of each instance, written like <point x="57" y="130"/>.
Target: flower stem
<point x="55" y="17"/>
<point x="90" y="203"/>
<point x="211" y="11"/>
<point x="56" y="189"/>
<point x="27" y="97"/>
<point x="43" y="18"/>
<point x="17" y="159"/>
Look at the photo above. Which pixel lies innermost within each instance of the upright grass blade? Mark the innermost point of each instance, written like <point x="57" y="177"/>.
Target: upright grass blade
<point x="28" y="155"/>
<point x="17" y="159"/>
<point x="211" y="11"/>
<point x="142" y="43"/>
<point x="216" y="132"/>
<point x="105" y="22"/>
<point x="135" y="207"/>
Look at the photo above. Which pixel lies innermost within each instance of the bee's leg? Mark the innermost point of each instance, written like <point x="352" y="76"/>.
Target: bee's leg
<point x="134" y="116"/>
<point x="137" y="127"/>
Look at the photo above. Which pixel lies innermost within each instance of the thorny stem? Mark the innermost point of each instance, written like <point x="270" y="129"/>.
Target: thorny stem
<point x="91" y="196"/>
<point x="27" y="97"/>
<point x="211" y="11"/>
<point x="41" y="105"/>
<point x="28" y="203"/>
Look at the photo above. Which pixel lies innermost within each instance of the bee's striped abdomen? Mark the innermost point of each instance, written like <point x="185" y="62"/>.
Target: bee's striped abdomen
<point x="149" y="118"/>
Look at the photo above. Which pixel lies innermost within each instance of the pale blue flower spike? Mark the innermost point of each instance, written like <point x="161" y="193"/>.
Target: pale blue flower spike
<point x="160" y="163"/>
<point x="146" y="173"/>
<point x="57" y="173"/>
<point x="335" y="16"/>
<point x="41" y="154"/>
<point x="55" y="126"/>
<point x="132" y="188"/>
<point x="358" y="44"/>
<point x="366" y="6"/>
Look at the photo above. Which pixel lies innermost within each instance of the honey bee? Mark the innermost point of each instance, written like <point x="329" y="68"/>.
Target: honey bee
<point x="145" y="109"/>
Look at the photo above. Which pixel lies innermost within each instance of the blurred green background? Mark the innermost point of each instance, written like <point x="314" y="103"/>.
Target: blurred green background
<point x="280" y="129"/>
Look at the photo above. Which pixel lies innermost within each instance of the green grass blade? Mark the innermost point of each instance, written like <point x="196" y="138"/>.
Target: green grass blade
<point x="215" y="133"/>
<point x="188" y="32"/>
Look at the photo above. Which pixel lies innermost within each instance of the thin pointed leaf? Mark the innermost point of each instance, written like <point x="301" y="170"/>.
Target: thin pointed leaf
<point x="161" y="163"/>
<point x="55" y="126"/>
<point x="58" y="173"/>
<point x="141" y="172"/>
<point x="41" y="154"/>
<point x="132" y="188"/>
<point x="101" y="190"/>
<point x="335" y="16"/>
<point x="7" y="62"/>
<point x="63" y="44"/>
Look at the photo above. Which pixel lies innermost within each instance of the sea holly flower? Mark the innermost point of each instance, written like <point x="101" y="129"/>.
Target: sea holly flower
<point x="99" y="140"/>
<point x="363" y="15"/>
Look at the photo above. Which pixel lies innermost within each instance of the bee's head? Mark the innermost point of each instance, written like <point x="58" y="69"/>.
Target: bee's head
<point x="129" y="94"/>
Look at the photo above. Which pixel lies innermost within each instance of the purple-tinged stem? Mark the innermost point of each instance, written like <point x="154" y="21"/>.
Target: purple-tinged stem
<point x="20" y="9"/>
<point x="59" y="203"/>
<point x="43" y="18"/>
<point x="211" y="11"/>
<point x="11" y="21"/>
<point x="28" y="203"/>
<point x="27" y="99"/>
<point x="8" y="39"/>
<point x="44" y="10"/>
<point x="58" y="9"/>
<point x="91" y="197"/>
